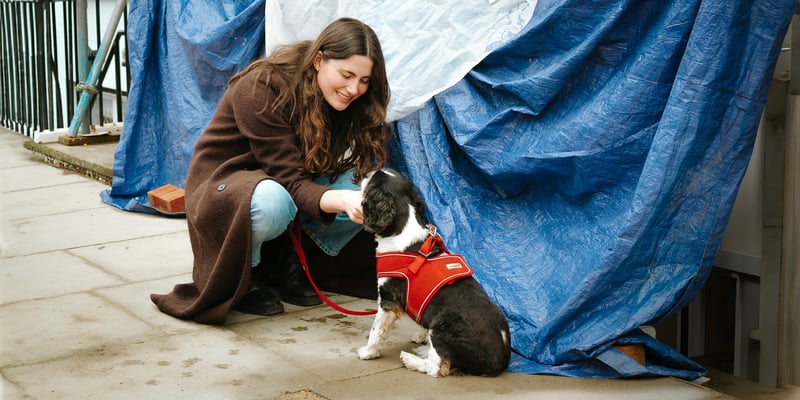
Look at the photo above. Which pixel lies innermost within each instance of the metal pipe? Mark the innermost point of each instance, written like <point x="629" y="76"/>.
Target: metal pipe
<point x="739" y="341"/>
<point x="82" y="45"/>
<point x="88" y="89"/>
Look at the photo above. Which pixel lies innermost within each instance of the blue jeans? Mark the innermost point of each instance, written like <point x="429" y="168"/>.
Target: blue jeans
<point x="272" y="209"/>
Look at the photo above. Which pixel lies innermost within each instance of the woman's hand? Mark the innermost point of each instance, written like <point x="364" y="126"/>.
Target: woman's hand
<point x="347" y="201"/>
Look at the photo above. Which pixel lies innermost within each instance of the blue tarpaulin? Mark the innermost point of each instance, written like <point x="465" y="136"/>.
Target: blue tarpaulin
<point x="586" y="167"/>
<point x="181" y="55"/>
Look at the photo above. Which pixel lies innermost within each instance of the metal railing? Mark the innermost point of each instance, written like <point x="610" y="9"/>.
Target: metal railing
<point x="40" y="66"/>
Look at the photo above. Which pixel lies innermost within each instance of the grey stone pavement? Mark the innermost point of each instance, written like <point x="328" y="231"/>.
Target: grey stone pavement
<point x="76" y="321"/>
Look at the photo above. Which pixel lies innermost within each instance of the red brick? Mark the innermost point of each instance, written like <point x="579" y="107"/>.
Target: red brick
<point x="634" y="351"/>
<point x="167" y="198"/>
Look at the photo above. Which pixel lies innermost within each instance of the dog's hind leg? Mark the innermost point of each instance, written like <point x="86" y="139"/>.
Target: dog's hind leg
<point x="420" y="337"/>
<point x="423" y="339"/>
<point x="384" y="320"/>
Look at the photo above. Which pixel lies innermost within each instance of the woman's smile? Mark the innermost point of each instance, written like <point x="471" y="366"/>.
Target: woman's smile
<point x="341" y="81"/>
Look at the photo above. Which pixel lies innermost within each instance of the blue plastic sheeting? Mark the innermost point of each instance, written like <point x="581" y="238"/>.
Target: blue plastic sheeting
<point x="588" y="169"/>
<point x="181" y="55"/>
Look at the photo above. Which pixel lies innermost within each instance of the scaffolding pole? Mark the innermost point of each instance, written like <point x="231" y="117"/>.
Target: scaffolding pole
<point x="88" y="87"/>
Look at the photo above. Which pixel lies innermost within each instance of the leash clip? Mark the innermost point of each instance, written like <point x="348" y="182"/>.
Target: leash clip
<point x="431" y="230"/>
<point x="434" y="241"/>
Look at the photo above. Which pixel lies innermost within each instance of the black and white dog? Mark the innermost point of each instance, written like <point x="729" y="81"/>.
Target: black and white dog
<point x="464" y="330"/>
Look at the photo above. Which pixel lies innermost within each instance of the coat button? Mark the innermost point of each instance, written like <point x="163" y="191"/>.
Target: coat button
<point x="221" y="187"/>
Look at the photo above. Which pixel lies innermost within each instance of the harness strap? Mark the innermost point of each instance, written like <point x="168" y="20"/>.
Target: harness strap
<point x="425" y="252"/>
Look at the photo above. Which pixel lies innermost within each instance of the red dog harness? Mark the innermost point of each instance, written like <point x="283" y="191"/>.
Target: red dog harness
<point x="424" y="274"/>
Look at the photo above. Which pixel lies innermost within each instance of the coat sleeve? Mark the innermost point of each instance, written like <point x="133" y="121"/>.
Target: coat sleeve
<point x="274" y="143"/>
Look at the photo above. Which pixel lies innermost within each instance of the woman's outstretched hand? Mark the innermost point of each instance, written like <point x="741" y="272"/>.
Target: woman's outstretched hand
<point x="347" y="201"/>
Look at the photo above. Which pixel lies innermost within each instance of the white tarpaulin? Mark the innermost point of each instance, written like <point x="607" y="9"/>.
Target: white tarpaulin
<point x="428" y="45"/>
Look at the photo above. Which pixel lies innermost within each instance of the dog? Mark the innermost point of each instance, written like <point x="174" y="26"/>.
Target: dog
<point x="464" y="331"/>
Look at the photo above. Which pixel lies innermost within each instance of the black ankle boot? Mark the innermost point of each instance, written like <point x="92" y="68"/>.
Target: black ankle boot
<point x="292" y="284"/>
<point x="259" y="300"/>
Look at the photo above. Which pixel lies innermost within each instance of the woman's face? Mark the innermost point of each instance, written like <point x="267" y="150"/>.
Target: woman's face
<point x="343" y="81"/>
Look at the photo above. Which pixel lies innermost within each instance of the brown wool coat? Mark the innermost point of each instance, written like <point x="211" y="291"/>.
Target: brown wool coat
<point x="244" y="144"/>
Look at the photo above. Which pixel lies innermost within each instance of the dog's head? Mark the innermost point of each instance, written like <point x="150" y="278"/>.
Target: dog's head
<point x="388" y="197"/>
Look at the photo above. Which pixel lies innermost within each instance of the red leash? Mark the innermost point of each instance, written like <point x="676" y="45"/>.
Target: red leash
<point x="294" y="233"/>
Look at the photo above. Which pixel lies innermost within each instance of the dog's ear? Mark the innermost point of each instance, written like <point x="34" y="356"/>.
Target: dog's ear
<point x="419" y="206"/>
<point x="379" y="208"/>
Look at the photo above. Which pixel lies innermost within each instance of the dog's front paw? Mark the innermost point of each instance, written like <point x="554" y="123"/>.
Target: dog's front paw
<point x="368" y="353"/>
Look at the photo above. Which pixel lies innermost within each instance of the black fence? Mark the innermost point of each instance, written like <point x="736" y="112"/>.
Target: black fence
<point x="39" y="65"/>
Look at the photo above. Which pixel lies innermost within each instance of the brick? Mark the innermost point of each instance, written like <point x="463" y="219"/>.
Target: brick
<point x="634" y="351"/>
<point x="167" y="198"/>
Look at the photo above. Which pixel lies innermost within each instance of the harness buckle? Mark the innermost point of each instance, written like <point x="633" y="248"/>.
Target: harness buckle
<point x="430" y="246"/>
<point x="431" y="230"/>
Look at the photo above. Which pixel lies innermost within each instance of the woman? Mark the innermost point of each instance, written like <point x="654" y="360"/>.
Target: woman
<point x="293" y="132"/>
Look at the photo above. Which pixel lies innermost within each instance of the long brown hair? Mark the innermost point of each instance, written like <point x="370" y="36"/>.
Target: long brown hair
<point x="334" y="141"/>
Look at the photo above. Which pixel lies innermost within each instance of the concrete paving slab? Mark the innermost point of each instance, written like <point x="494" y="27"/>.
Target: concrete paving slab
<point x="10" y="138"/>
<point x="325" y="341"/>
<point x="10" y="154"/>
<point x="52" y="199"/>
<point x="405" y="384"/>
<point x="96" y="153"/>
<point x="33" y="176"/>
<point x="46" y="329"/>
<point x="235" y="317"/>
<point x="49" y="274"/>
<point x="10" y="158"/>
<point x="9" y="390"/>
<point x="83" y="228"/>
<point x="135" y="299"/>
<point x="145" y="258"/>
<point x="94" y="159"/>
<point x="210" y="364"/>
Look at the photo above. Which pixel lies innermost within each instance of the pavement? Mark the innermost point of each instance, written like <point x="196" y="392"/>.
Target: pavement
<point x="77" y="323"/>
